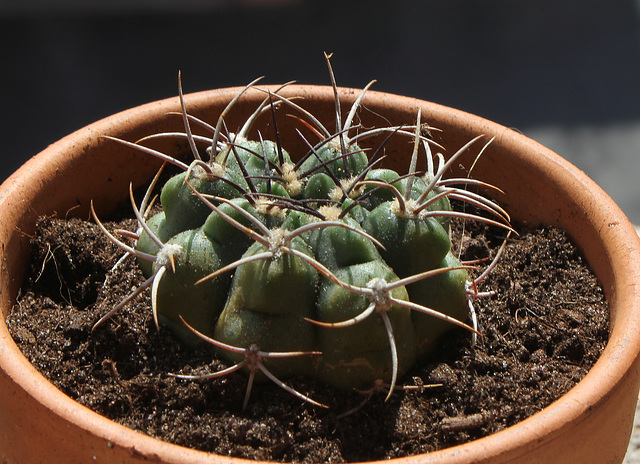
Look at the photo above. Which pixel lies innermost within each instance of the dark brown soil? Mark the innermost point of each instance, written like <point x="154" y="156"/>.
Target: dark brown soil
<point x="543" y="330"/>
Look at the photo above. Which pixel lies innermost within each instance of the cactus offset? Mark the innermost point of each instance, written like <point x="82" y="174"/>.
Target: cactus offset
<point x="318" y="264"/>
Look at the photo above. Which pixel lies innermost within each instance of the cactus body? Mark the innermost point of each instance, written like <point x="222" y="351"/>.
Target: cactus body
<point x="270" y="302"/>
<point x="331" y="258"/>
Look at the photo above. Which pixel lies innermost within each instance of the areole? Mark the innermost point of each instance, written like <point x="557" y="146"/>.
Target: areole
<point x="591" y="423"/>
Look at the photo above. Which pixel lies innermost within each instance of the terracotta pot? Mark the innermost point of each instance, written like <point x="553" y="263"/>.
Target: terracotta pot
<point x="590" y="424"/>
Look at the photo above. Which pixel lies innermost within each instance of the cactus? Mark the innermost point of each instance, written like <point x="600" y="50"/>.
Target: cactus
<point x="318" y="264"/>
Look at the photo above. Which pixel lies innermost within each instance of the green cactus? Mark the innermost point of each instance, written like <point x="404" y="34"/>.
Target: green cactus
<point x="327" y="267"/>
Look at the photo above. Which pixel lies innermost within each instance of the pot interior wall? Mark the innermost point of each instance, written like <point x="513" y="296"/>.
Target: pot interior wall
<point x="103" y="176"/>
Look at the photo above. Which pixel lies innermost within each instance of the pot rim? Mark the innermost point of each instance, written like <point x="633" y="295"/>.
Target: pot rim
<point x="619" y="356"/>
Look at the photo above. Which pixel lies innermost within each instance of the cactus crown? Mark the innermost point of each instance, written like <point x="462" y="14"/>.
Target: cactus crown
<point x="320" y="264"/>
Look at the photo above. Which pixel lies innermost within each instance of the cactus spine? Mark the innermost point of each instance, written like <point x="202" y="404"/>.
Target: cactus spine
<point x="321" y="264"/>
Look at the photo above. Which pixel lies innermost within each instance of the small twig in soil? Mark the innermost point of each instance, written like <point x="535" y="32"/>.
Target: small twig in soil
<point x="462" y="423"/>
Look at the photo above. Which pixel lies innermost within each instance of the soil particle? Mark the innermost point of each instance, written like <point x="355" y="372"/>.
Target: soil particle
<point x="543" y="329"/>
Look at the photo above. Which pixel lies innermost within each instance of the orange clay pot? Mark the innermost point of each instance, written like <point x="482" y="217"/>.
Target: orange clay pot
<point x="590" y="424"/>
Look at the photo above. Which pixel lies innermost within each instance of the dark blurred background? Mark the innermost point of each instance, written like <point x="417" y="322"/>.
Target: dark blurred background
<point x="565" y="72"/>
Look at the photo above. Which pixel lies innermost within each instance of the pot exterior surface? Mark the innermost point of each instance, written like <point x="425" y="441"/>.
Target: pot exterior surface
<point x="590" y="424"/>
